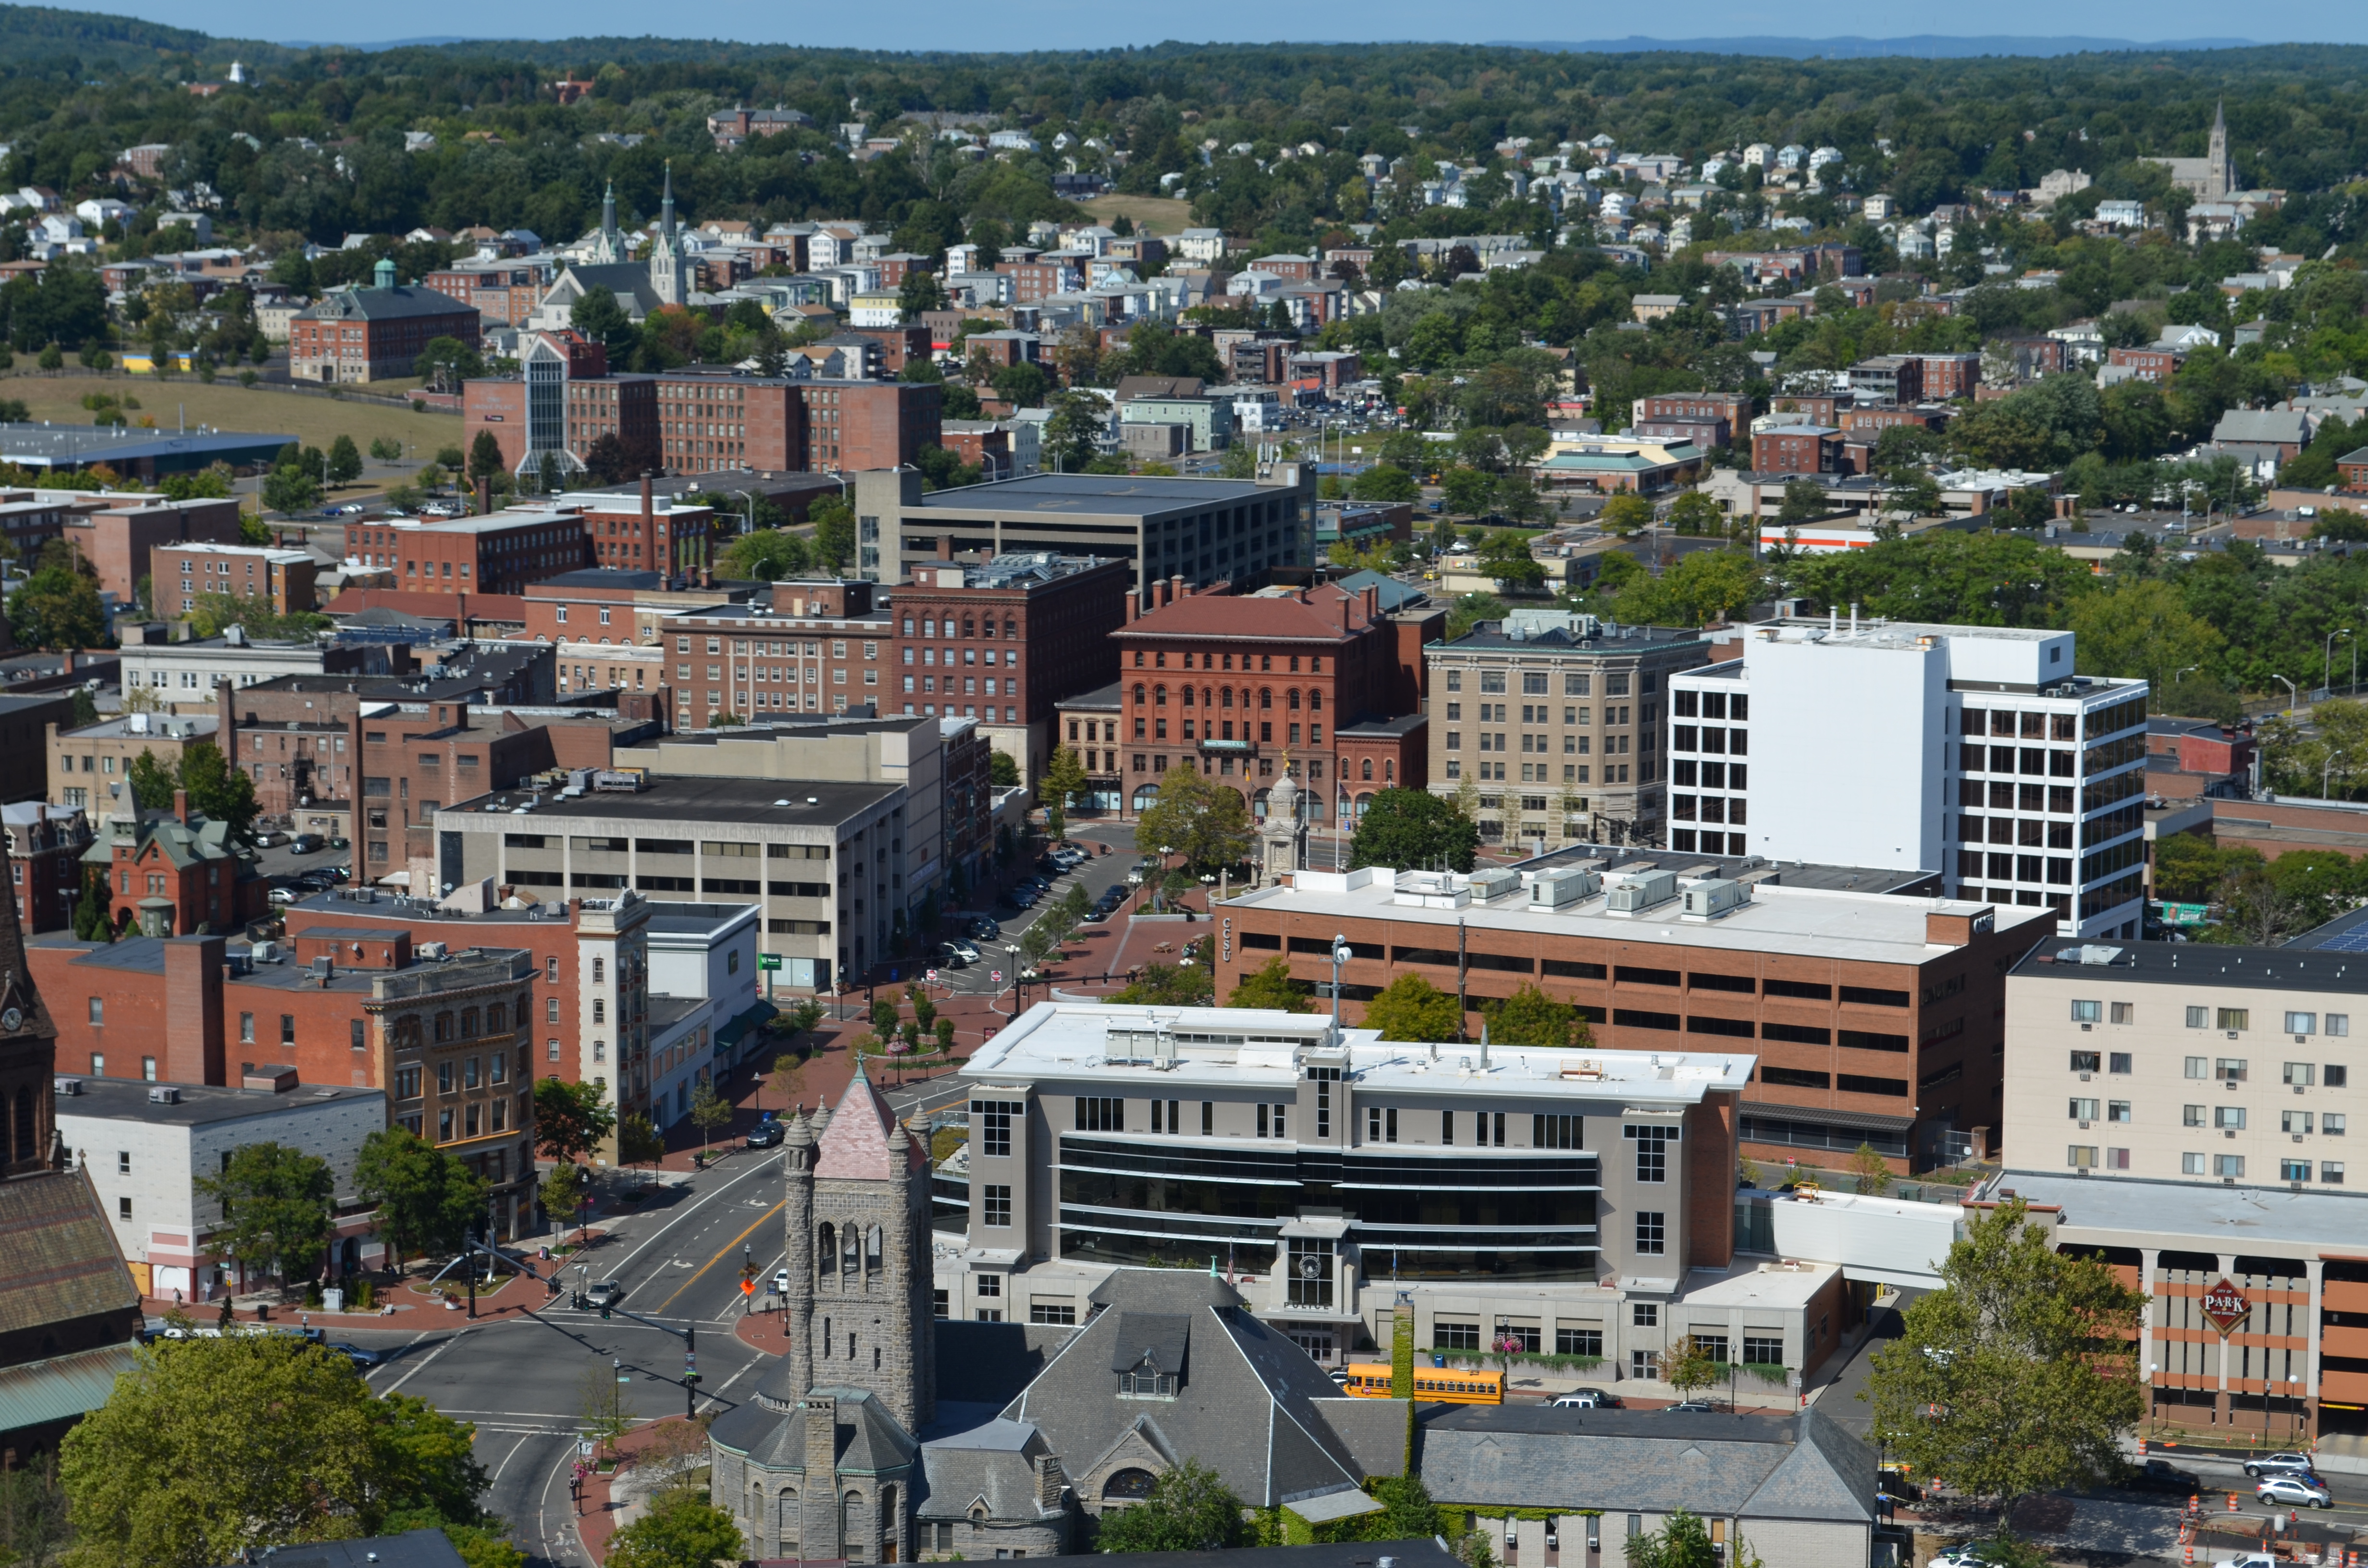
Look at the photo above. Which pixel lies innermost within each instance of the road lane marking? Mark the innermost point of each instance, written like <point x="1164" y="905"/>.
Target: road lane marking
<point x="726" y="1248"/>
<point x="617" y="1270"/>
<point x="427" y="1359"/>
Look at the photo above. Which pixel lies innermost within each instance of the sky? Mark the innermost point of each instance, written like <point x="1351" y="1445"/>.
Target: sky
<point x="1075" y="24"/>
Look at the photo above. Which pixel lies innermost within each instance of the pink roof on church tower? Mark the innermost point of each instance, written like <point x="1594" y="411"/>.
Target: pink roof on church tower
<point x="860" y="1141"/>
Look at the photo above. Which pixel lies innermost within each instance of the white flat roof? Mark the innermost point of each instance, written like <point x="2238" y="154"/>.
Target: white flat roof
<point x="1268" y="1050"/>
<point x="2196" y="1216"/>
<point x="1868" y="928"/>
<point x="1777" y="1286"/>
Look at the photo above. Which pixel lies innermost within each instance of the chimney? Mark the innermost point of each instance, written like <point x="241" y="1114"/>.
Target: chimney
<point x="181" y="807"/>
<point x="486" y="496"/>
<point x="945" y="547"/>
<point x="68" y="667"/>
<point x="1049" y="1482"/>
<point x="1373" y="603"/>
<point x="193" y="1025"/>
<point x="1176" y="589"/>
<point x="645" y="505"/>
<point x="1344" y="614"/>
<point x="1133" y="606"/>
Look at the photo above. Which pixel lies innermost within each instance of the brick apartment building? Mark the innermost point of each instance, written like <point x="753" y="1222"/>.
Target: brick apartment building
<point x="1282" y="672"/>
<point x="184" y="573"/>
<point x="450" y="1040"/>
<point x="1947" y="376"/>
<point x="817" y="647"/>
<point x="1796" y="448"/>
<point x="2148" y="364"/>
<point x="505" y="292"/>
<point x="1874" y="420"/>
<point x="1876" y="1017"/>
<point x="497" y="553"/>
<point x="45" y="849"/>
<point x="90" y="769"/>
<point x="370" y="334"/>
<point x="1732" y="409"/>
<point x="119" y="541"/>
<point x="1024" y="631"/>
<point x="1888" y="378"/>
<point x="641" y="533"/>
<point x="1039" y="278"/>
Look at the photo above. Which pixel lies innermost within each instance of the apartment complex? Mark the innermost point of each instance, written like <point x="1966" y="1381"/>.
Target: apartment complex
<point x="838" y="875"/>
<point x="1252" y="687"/>
<point x="184" y="573"/>
<point x="497" y="553"/>
<point x="90" y="767"/>
<point x="445" y="1038"/>
<point x="1970" y="750"/>
<point x="1204" y="530"/>
<point x="1874" y="1010"/>
<point x="1558" y="717"/>
<point x="1023" y="631"/>
<point x="1579" y="1203"/>
<point x="730" y="663"/>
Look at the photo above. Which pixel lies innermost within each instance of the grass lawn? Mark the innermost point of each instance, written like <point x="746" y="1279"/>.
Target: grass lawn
<point x="1155" y="214"/>
<point x="226" y="405"/>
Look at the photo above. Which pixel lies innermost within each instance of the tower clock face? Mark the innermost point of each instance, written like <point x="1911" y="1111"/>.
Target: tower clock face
<point x="12" y="1019"/>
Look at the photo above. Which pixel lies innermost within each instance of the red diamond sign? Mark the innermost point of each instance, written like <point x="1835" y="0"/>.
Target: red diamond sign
<point x="2225" y="1306"/>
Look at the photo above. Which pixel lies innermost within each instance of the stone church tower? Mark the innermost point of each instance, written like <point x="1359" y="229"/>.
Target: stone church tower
<point x="2220" y="174"/>
<point x="666" y="281"/>
<point x="821" y="1462"/>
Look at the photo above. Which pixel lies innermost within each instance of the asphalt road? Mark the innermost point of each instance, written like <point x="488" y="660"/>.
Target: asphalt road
<point x="1100" y="872"/>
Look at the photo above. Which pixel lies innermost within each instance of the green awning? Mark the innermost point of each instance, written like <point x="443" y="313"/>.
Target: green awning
<point x="62" y="1386"/>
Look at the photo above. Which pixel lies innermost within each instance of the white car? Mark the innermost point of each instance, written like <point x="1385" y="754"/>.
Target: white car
<point x="2294" y="1489"/>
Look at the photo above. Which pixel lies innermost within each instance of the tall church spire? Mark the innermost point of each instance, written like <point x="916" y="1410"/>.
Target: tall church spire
<point x="2220" y="173"/>
<point x="666" y="211"/>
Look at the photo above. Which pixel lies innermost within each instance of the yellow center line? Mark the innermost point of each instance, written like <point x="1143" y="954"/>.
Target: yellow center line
<point x="718" y="1256"/>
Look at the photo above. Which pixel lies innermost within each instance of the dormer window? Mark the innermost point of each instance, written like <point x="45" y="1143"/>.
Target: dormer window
<point x="1145" y="1381"/>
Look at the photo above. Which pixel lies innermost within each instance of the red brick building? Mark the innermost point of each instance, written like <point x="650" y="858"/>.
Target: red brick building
<point x="1245" y="688"/>
<point x="173" y="873"/>
<point x="504" y="292"/>
<point x="45" y="849"/>
<point x="819" y="646"/>
<point x="2148" y="364"/>
<point x="713" y="417"/>
<point x="368" y="334"/>
<point x="1733" y="408"/>
<point x="1015" y="633"/>
<point x="1796" y="448"/>
<point x="499" y="553"/>
<point x="1039" y="279"/>
<point x="1951" y="375"/>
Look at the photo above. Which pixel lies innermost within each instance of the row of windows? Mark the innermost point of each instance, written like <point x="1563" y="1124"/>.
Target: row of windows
<point x="1222" y="696"/>
<point x="1538" y="683"/>
<point x="1712" y="705"/>
<point x="2233" y="1020"/>
<point x="2227" y="1168"/>
<point x="1265" y="663"/>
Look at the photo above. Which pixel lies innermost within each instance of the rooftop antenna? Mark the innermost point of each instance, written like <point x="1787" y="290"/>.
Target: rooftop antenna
<point x="1483" y="1044"/>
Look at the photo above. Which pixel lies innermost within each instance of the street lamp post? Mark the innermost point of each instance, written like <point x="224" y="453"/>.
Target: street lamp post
<point x="2294" y="698"/>
<point x="748" y="525"/>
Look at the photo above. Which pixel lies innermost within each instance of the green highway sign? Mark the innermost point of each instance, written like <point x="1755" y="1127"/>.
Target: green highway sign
<point x="769" y="960"/>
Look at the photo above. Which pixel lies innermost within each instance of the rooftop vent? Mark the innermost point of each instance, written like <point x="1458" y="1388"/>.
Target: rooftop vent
<point x="1561" y="888"/>
<point x="67" y="1085"/>
<point x="164" y="1094"/>
<point x="1641" y="890"/>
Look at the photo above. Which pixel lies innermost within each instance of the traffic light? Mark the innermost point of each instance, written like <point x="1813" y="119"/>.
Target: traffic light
<point x="604" y="1311"/>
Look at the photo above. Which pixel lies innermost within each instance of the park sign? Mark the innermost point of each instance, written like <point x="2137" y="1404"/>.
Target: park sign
<point x="2226" y="1307"/>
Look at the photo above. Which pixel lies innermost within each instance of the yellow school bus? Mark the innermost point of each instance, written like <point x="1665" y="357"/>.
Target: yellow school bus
<point x="1432" y="1385"/>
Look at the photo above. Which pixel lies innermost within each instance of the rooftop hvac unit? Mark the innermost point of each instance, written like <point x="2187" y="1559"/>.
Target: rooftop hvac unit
<point x="264" y="952"/>
<point x="1708" y="899"/>
<point x="1561" y="889"/>
<point x="67" y="1085"/>
<point x="1493" y="883"/>
<point x="1642" y="891"/>
<point x="164" y="1094"/>
<point x="431" y="949"/>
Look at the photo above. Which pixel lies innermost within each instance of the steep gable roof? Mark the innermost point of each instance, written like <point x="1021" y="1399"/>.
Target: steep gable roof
<point x="62" y="1260"/>
<point x="863" y="1139"/>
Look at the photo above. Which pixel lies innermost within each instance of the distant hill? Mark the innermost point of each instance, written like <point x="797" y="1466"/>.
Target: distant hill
<point x="1924" y="46"/>
<point x="42" y="32"/>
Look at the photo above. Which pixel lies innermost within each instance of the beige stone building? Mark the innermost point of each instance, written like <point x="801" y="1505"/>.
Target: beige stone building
<point x="91" y="767"/>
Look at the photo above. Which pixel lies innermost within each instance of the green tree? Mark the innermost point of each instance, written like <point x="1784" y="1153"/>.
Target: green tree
<point x="1686" y="1366"/>
<point x="1624" y="514"/>
<point x="218" y="790"/>
<point x="1160" y="985"/>
<point x="209" y="1448"/>
<point x="1412" y="1008"/>
<point x="2141" y="629"/>
<point x="598" y="316"/>
<point x="278" y="1210"/>
<point x="921" y="292"/>
<point x="1466" y="490"/>
<point x="1062" y="779"/>
<point x="344" y="461"/>
<point x="35" y="1521"/>
<point x="1470" y="609"/>
<point x="1529" y="1017"/>
<point x="1022" y="386"/>
<point x="639" y="1143"/>
<point x="2019" y="1375"/>
<point x="485" y="460"/>
<point x="1073" y="435"/>
<point x="1385" y="482"/>
<point x="426" y="1199"/>
<point x="58" y="606"/>
<point x="709" y="1110"/>
<point x="152" y="781"/>
<point x="1189" y="1509"/>
<point x="446" y="362"/>
<point x="1870" y="1172"/>
<point x="1413" y="830"/>
<point x="1682" y="1541"/>
<point x="1198" y="818"/>
<point x="1804" y="499"/>
<point x="289" y="490"/>
<point x="600" y="1404"/>
<point x="682" y="1529"/>
<point x="1694" y="513"/>
<point x="1271" y="985"/>
<point x="767" y="555"/>
<point x="428" y="1469"/>
<point x="834" y="531"/>
<point x="209" y="613"/>
<point x="1703" y="586"/>
<point x="1407" y="1512"/>
<point x="385" y="449"/>
<point x="1505" y="556"/>
<point x="561" y="1191"/>
<point x="91" y="921"/>
<point x="571" y="1120"/>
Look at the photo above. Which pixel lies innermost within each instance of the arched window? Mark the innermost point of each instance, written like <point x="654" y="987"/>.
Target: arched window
<point x="26" y="1149"/>
<point x="1368" y="767"/>
<point x="1146" y="797"/>
<point x="1266" y="697"/>
<point x="788" y="1505"/>
<point x="1225" y="698"/>
<point x="1207" y="701"/>
<point x="1389" y="770"/>
<point x="871" y="1248"/>
<point x="1292" y="701"/>
<point x="825" y="1247"/>
<point x="1127" y="1486"/>
<point x="850" y="1254"/>
<point x="1187" y="696"/>
<point x="888" y="1543"/>
<point x="1266" y="661"/>
<point x="850" y="1519"/>
<point x="1138" y="658"/>
<point x="1138" y="694"/>
<point x="1316" y="701"/>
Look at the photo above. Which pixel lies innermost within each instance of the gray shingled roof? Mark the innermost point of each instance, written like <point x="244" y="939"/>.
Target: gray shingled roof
<point x="382" y="305"/>
<point x="1247" y="1405"/>
<point x="2267" y="425"/>
<point x="996" y="1462"/>
<point x="774" y="1438"/>
<point x="1647" y="1462"/>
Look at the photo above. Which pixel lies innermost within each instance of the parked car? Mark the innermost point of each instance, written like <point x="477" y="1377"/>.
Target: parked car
<point x="304" y="844"/>
<point x="1972" y="1554"/>
<point x="983" y="930"/>
<point x="2271" y="1464"/>
<point x="1692" y="1407"/>
<point x="2161" y="1475"/>
<point x="2297" y="1488"/>
<point x="949" y="955"/>
<point x="1588" y="1399"/>
<point x="766" y="1135"/>
<point x="607" y="1293"/>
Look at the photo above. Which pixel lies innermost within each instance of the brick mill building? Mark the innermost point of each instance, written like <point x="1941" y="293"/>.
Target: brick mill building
<point x="372" y="335"/>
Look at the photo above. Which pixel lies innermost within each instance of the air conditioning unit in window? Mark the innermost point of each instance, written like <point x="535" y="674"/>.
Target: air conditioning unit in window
<point x="2086" y="1076"/>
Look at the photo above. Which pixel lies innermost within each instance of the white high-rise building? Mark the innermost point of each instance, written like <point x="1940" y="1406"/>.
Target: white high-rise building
<point x="1974" y="751"/>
